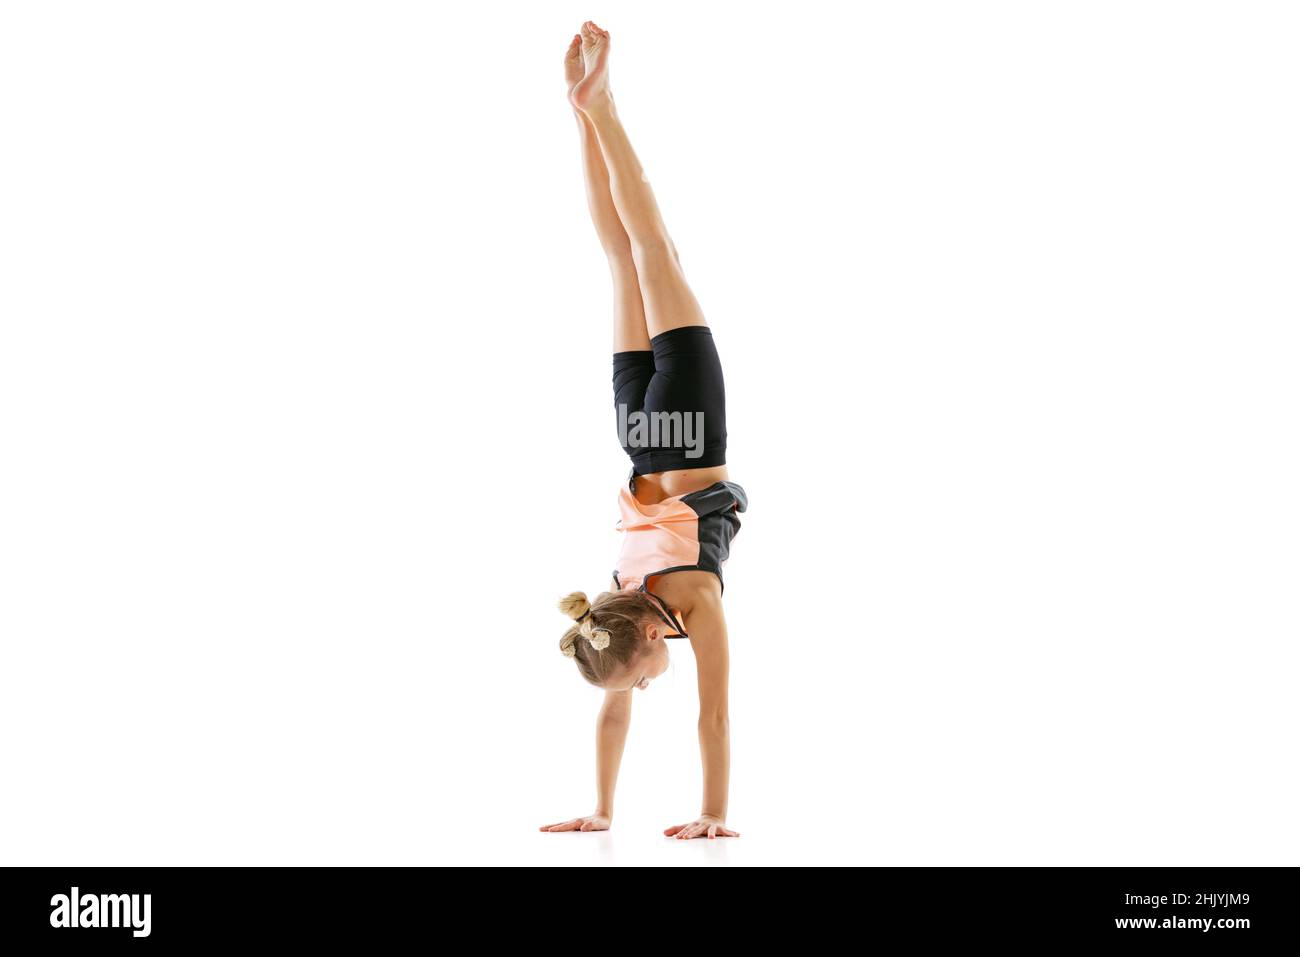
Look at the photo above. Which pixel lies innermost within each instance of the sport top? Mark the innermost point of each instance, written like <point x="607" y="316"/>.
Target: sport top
<point x="690" y="532"/>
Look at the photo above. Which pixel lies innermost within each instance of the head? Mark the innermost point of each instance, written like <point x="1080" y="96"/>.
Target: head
<point x="617" y="640"/>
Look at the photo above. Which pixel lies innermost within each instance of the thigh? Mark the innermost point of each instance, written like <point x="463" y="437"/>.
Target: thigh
<point x="688" y="372"/>
<point x="634" y="370"/>
<point x="669" y="302"/>
<point x="688" y="381"/>
<point x="630" y="332"/>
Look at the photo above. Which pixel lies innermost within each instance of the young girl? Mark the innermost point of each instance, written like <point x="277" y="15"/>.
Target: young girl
<point x="678" y="509"/>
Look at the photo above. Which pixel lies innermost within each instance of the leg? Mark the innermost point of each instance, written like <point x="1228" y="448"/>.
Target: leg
<point x="668" y="300"/>
<point x="630" y="331"/>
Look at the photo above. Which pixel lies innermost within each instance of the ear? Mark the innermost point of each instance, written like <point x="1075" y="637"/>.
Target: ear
<point x="652" y="631"/>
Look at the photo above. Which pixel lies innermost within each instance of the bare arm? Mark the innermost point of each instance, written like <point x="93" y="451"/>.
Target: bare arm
<point x="698" y="594"/>
<point x="708" y="630"/>
<point x="611" y="734"/>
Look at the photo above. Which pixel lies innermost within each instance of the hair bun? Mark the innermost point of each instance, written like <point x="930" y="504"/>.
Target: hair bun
<point x="575" y="605"/>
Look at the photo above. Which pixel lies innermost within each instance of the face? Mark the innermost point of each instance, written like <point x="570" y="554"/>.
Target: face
<point x="652" y="662"/>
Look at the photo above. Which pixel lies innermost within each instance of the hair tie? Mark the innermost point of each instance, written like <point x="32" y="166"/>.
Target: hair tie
<point x="585" y="614"/>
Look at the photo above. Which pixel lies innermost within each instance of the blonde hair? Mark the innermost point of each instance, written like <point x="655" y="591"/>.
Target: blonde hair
<point x="606" y="634"/>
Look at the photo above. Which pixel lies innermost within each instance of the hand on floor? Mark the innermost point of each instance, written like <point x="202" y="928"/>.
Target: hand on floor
<point x="593" y="822"/>
<point x="706" y="825"/>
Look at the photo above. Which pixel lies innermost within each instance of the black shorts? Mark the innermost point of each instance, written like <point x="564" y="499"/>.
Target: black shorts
<point x="669" y="403"/>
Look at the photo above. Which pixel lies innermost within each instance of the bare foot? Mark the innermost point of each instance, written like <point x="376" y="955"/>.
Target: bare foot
<point x="594" y="85"/>
<point x="574" y="70"/>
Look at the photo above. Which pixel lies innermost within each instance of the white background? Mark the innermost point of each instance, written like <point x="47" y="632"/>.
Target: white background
<point x="305" y="423"/>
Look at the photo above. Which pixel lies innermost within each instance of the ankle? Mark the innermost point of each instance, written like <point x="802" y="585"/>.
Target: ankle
<point x="602" y="107"/>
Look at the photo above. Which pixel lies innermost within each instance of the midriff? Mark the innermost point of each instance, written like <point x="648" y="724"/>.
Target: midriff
<point x="655" y="487"/>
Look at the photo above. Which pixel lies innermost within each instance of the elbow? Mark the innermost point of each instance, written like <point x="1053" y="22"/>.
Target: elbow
<point x="714" y="719"/>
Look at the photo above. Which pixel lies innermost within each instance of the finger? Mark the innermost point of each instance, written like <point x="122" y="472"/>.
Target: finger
<point x="674" y="829"/>
<point x="713" y="831"/>
<point x="726" y="833"/>
<point x="566" y="826"/>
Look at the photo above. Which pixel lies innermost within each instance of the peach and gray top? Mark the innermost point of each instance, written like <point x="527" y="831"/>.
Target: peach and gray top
<point x="690" y="532"/>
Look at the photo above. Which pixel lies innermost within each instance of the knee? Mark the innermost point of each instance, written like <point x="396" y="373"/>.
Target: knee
<point x="617" y="250"/>
<point x="621" y="261"/>
<point x="656" y="252"/>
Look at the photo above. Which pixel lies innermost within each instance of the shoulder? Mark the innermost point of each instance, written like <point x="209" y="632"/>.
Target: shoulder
<point x="690" y="591"/>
